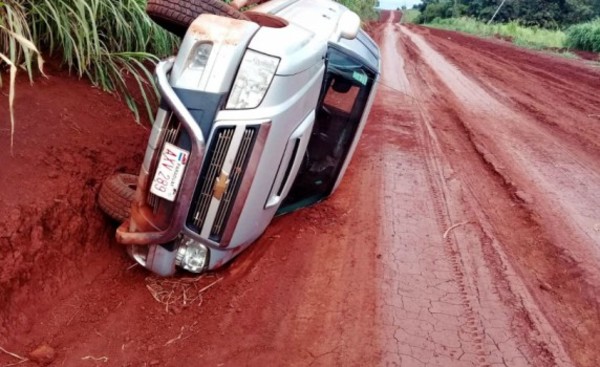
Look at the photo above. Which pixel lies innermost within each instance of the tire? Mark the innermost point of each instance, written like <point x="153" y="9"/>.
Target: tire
<point x="116" y="195"/>
<point x="176" y="15"/>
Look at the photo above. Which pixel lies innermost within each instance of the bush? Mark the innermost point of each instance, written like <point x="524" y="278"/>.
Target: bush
<point x="411" y="16"/>
<point x="437" y="10"/>
<point x="533" y="37"/>
<point x="364" y="8"/>
<point x="584" y="36"/>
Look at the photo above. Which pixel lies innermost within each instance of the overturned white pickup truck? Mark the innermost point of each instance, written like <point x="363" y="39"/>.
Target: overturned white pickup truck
<point x="261" y="112"/>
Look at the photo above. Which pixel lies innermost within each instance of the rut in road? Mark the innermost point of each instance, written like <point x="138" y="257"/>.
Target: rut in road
<point x="498" y="321"/>
<point x="535" y="131"/>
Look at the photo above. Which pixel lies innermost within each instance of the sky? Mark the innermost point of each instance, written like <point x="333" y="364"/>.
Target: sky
<point x="393" y="4"/>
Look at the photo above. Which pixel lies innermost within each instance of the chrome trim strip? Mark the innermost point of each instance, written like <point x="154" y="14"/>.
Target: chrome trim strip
<point x="247" y="180"/>
<point x="190" y="176"/>
<point x="186" y="231"/>
<point x="158" y="129"/>
<point x="301" y="136"/>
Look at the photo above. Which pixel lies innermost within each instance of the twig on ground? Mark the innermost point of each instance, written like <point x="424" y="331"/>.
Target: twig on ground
<point x="183" y="291"/>
<point x="16" y="363"/>
<point x="454" y="226"/>
<point x="210" y="285"/>
<point x="14" y="355"/>
<point x="95" y="359"/>
<point x="171" y="341"/>
<point x="72" y="317"/>
<point x="75" y="127"/>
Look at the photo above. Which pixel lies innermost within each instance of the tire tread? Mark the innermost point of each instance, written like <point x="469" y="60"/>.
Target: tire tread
<point x="177" y="15"/>
<point x="116" y="195"/>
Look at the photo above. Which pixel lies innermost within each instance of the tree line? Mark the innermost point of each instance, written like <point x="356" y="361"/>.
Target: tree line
<point x="541" y="13"/>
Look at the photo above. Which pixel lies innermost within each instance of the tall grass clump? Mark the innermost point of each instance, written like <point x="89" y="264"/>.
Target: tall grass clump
<point x="532" y="37"/>
<point x="410" y="16"/>
<point x="111" y="42"/>
<point x="16" y="49"/>
<point x="584" y="36"/>
<point x="364" y="8"/>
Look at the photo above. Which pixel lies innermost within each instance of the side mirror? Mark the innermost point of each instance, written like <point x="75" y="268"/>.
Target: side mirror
<point x="348" y="25"/>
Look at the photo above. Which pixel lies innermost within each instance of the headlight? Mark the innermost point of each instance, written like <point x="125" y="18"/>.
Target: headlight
<point x="252" y="81"/>
<point x="196" y="62"/>
<point x="192" y="255"/>
<point x="199" y="56"/>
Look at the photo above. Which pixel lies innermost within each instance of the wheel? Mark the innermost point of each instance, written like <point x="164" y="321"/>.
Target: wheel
<point x="116" y="195"/>
<point x="177" y="15"/>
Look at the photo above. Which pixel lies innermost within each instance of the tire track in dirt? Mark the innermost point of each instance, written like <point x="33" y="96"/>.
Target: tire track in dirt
<point x="484" y="320"/>
<point x="441" y="197"/>
<point x="445" y="84"/>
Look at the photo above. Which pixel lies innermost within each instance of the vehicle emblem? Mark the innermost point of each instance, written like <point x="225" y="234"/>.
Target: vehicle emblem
<point x="221" y="185"/>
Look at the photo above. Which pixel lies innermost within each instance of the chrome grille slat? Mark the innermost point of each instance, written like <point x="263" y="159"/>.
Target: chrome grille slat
<point x="229" y="150"/>
<point x="236" y="174"/>
<point x="214" y="170"/>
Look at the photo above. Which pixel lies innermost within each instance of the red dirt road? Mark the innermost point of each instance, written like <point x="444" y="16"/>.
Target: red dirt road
<point x="465" y="233"/>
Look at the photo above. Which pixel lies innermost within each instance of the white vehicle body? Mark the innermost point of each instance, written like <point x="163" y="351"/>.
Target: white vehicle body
<point x="264" y="117"/>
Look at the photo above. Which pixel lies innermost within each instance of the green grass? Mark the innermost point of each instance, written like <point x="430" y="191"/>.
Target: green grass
<point x="364" y="8"/>
<point x="113" y="43"/>
<point x="531" y="37"/>
<point x="584" y="36"/>
<point x="16" y="49"/>
<point x="107" y="41"/>
<point x="568" y="55"/>
<point x="410" y="15"/>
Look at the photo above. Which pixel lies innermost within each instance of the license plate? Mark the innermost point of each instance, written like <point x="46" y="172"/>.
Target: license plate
<point x="169" y="172"/>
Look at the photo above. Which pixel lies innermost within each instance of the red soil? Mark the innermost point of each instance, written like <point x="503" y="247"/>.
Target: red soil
<point x="68" y="137"/>
<point x="465" y="232"/>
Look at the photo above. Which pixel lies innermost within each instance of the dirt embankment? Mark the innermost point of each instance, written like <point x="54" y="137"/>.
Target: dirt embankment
<point x="53" y="238"/>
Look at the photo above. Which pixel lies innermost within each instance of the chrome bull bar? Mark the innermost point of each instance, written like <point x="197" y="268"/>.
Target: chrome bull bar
<point x="130" y="232"/>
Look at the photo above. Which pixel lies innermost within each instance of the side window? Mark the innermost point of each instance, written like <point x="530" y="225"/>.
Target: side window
<point x="341" y="95"/>
<point x="346" y="87"/>
<point x="347" y="84"/>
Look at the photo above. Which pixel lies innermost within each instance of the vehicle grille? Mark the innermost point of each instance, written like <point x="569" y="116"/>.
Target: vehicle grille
<point x="222" y="143"/>
<point x="220" y="147"/>
<point x="236" y="174"/>
<point x="171" y="134"/>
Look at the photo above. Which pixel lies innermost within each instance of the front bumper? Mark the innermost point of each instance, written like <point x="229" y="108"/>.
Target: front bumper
<point x="159" y="231"/>
<point x="146" y="227"/>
